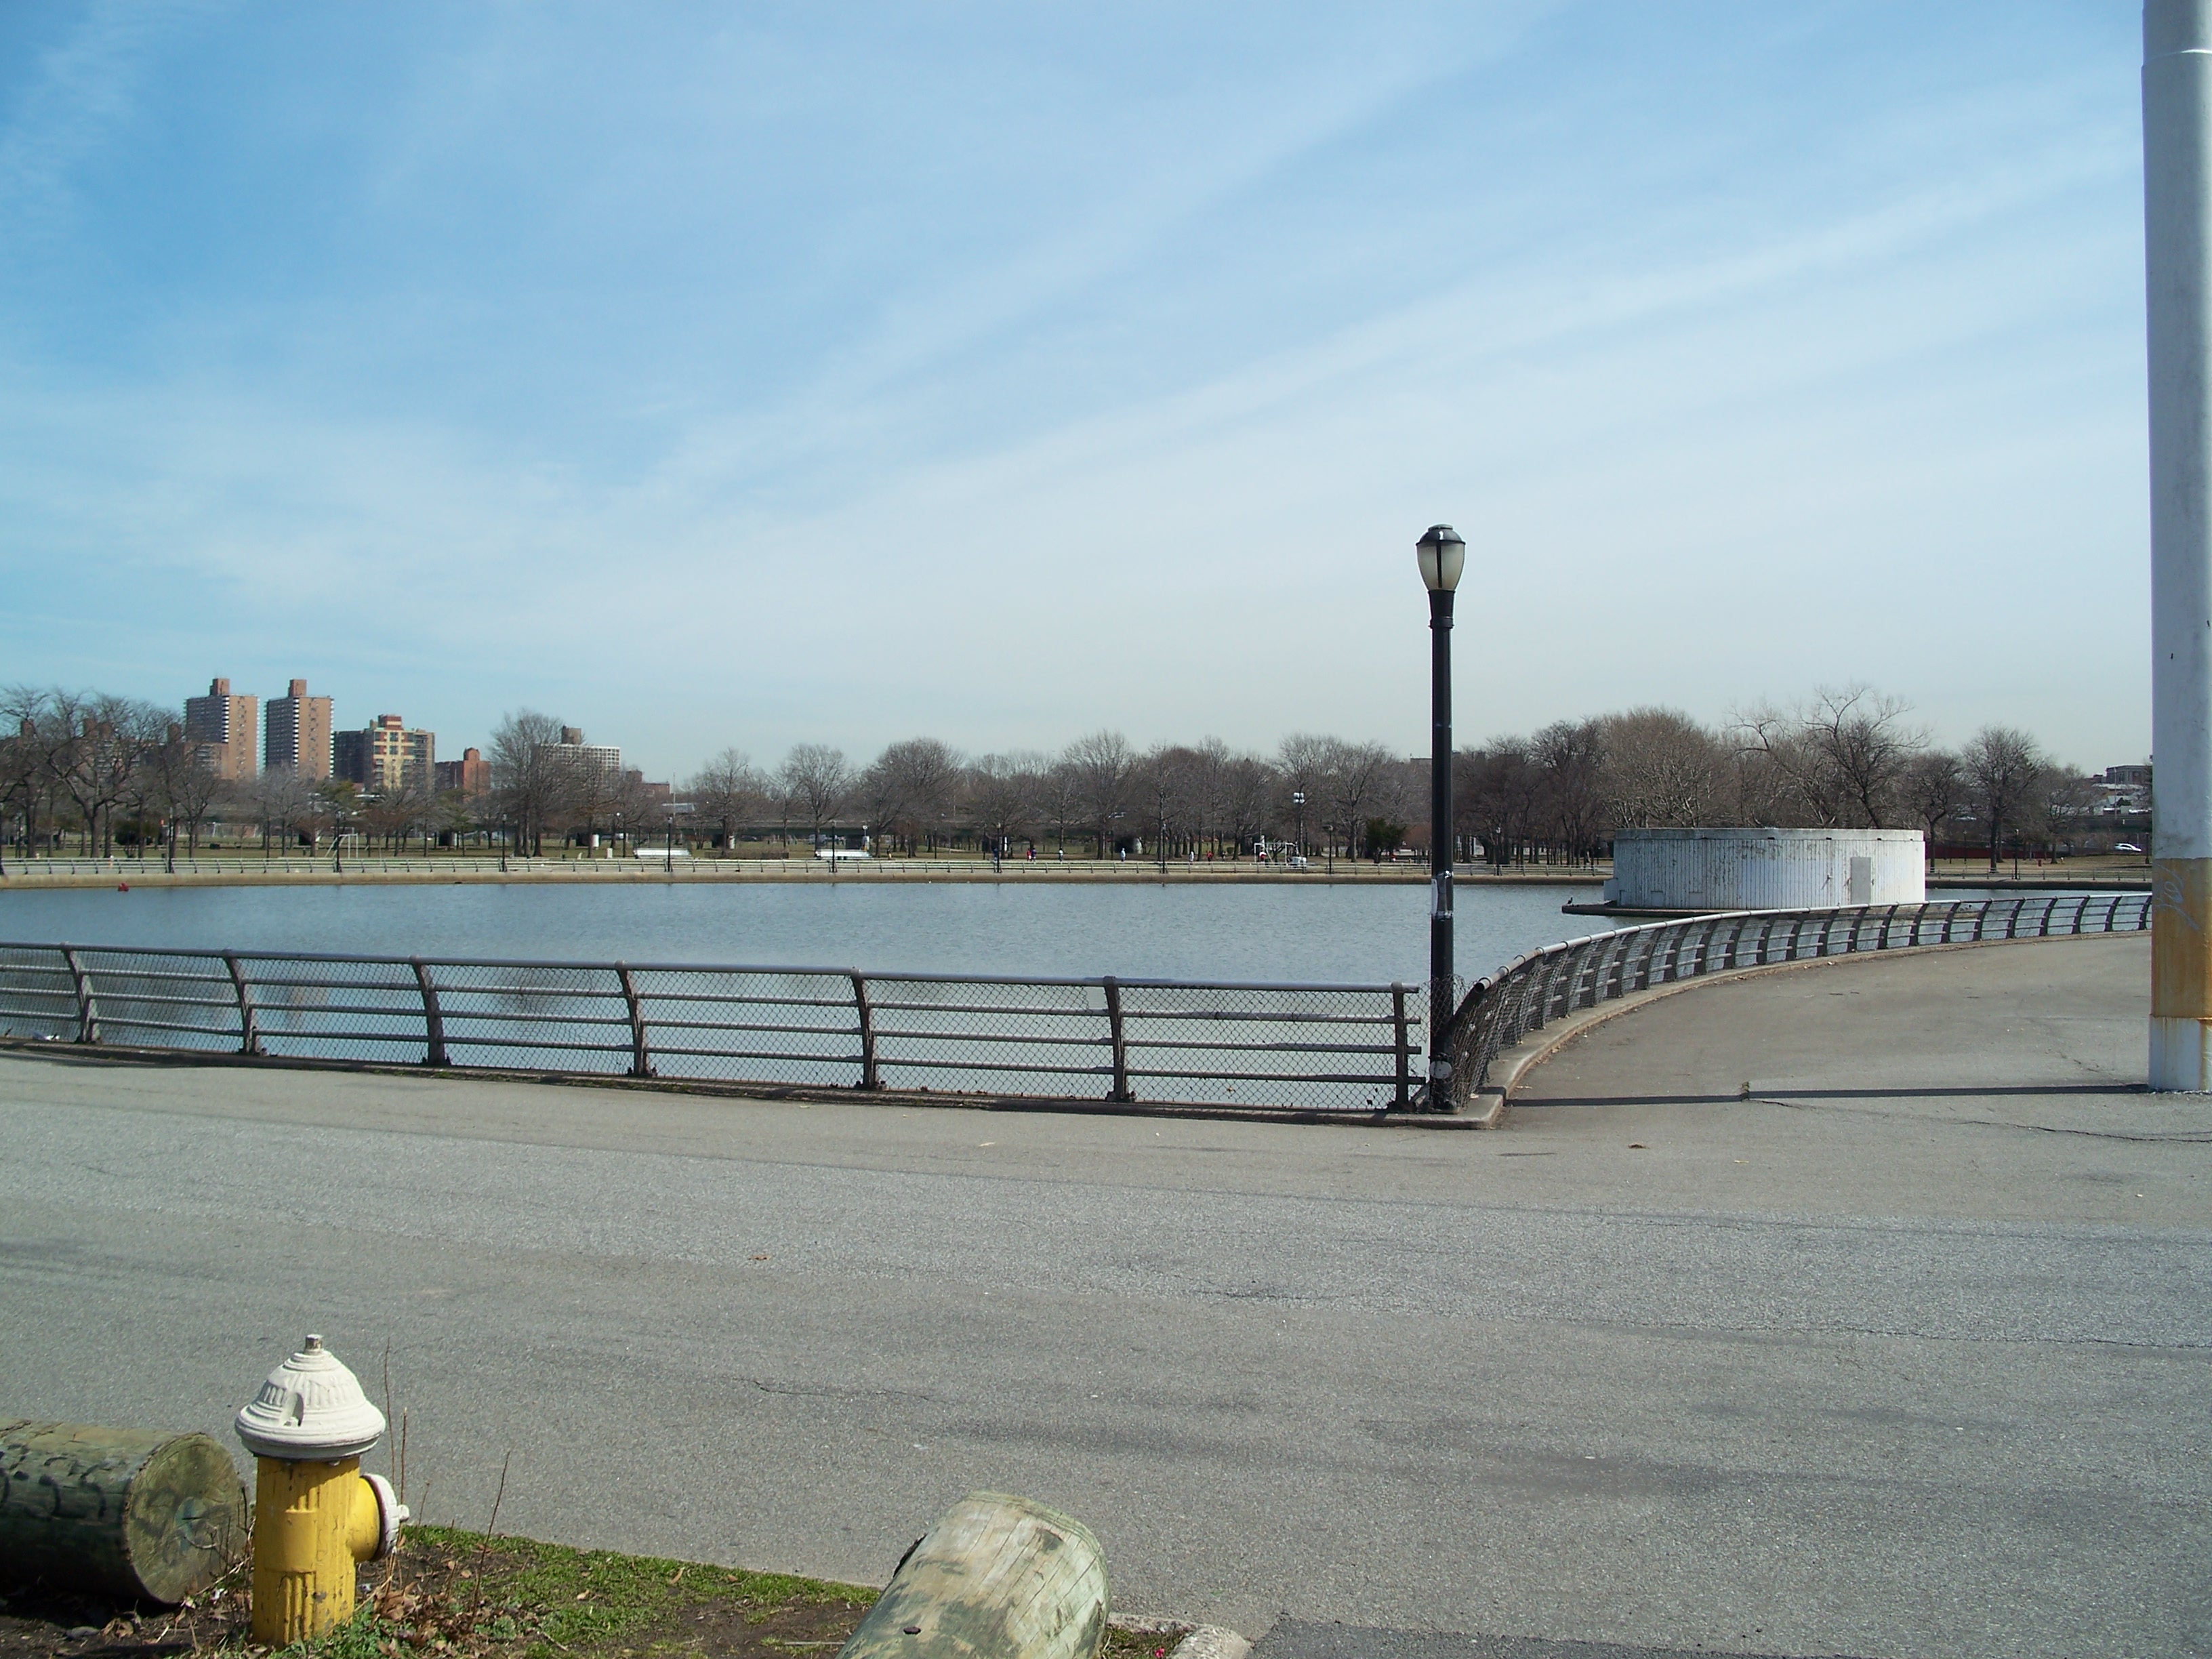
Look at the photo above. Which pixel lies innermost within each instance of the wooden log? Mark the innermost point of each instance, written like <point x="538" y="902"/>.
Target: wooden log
<point x="127" y="1513"/>
<point x="997" y="1578"/>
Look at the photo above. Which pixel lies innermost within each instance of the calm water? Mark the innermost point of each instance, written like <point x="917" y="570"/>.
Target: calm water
<point x="1315" y="932"/>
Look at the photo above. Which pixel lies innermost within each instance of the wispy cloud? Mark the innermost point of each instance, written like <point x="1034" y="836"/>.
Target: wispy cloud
<point x="625" y="376"/>
<point x="80" y="95"/>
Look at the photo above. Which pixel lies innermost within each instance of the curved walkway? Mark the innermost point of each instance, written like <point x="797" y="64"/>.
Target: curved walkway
<point x="1997" y="1083"/>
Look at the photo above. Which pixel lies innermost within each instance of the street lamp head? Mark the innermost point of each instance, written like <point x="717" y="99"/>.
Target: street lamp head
<point x="1442" y="553"/>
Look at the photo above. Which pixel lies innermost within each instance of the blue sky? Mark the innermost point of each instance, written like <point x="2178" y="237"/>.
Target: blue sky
<point x="756" y="374"/>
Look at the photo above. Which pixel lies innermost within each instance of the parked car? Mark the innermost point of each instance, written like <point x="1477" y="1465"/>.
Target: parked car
<point x="2127" y="847"/>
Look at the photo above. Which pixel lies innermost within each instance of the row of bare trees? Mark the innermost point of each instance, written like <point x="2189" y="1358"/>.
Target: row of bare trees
<point x="1180" y="800"/>
<point x="101" y="768"/>
<point x="1846" y="757"/>
<point x="90" y="764"/>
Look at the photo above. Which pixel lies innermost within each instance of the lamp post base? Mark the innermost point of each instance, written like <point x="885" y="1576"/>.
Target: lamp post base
<point x="2181" y="1055"/>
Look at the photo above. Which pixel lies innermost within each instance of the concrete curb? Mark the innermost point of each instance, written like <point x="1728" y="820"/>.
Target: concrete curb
<point x="620" y="876"/>
<point x="1189" y="1641"/>
<point x="1212" y="1641"/>
<point x="1512" y="1066"/>
<point x="115" y="1054"/>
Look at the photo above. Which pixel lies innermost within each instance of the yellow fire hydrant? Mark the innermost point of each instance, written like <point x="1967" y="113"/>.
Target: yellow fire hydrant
<point x="315" y="1514"/>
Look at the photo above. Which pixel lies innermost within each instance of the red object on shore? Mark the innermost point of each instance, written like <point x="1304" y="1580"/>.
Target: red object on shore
<point x="122" y="886"/>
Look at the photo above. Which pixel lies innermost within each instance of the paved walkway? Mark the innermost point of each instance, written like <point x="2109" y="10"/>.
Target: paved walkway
<point x="1998" y="1083"/>
<point x="1920" y="1373"/>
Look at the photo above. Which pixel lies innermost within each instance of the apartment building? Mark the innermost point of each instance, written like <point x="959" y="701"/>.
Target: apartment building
<point x="598" y="765"/>
<point x="298" y="740"/>
<point x="470" y="775"/>
<point x="385" y="756"/>
<point x="222" y="729"/>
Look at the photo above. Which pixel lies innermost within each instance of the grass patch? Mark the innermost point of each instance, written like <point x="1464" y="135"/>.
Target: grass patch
<point x="454" y="1594"/>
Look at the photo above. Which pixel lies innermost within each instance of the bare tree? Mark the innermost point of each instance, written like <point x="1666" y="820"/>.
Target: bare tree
<point x="1494" y="798"/>
<point x="1661" y="769"/>
<point x="911" y="790"/>
<point x="1302" y="768"/>
<point x="1933" y="790"/>
<point x="530" y="781"/>
<point x="1569" y="756"/>
<point x="280" y="802"/>
<point x="24" y="775"/>
<point x="1060" y="799"/>
<point x="1102" y="763"/>
<point x="1251" y="797"/>
<point x="1354" y="776"/>
<point x="816" y="781"/>
<point x="1002" y="793"/>
<point x="729" y="791"/>
<point x="1785" y="778"/>
<point x="2061" y="801"/>
<point x="180" y="787"/>
<point x="1208" y="787"/>
<point x="2002" y="768"/>
<point x="1865" y="744"/>
<point x="1844" y="753"/>
<point x="100" y="766"/>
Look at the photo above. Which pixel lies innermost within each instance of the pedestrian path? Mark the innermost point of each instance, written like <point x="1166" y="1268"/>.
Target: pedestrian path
<point x="2001" y="1082"/>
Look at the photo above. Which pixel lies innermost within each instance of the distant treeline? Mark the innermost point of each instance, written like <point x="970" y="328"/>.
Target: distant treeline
<point x="103" y="770"/>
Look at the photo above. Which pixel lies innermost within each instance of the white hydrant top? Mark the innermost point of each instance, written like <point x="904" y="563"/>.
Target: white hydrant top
<point x="311" y="1410"/>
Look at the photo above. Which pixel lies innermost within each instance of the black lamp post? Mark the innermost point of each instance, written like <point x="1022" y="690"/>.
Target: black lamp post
<point x="1442" y="554"/>
<point x="671" y="810"/>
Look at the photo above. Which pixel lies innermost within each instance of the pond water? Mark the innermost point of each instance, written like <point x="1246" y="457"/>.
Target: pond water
<point x="1321" y="932"/>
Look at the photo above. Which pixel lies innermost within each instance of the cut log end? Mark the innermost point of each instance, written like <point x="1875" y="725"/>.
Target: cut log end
<point x="135" y="1515"/>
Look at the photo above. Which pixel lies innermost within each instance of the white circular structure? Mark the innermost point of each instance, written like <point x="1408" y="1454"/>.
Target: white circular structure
<point x="1764" y="869"/>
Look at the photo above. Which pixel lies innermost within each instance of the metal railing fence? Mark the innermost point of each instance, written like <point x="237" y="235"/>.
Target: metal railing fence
<point x="1265" y="1048"/>
<point x="1547" y="985"/>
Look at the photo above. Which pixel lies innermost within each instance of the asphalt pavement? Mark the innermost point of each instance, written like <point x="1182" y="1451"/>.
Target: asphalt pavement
<point x="1859" y="1309"/>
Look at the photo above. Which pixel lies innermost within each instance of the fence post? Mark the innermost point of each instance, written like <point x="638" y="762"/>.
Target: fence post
<point x="870" y="1077"/>
<point x="249" y="1037"/>
<point x="1404" y="1049"/>
<point x="1116" y="1036"/>
<point x="87" y="1011"/>
<point x="1649" y="964"/>
<point x="1729" y="951"/>
<point x="641" y="1057"/>
<point x="433" y="1021"/>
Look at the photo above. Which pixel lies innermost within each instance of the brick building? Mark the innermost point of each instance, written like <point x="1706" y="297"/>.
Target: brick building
<point x="471" y="775"/>
<point x="298" y="741"/>
<point x="222" y="729"/>
<point x="386" y="757"/>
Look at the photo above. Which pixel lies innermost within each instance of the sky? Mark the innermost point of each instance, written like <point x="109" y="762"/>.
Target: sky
<point x="751" y="374"/>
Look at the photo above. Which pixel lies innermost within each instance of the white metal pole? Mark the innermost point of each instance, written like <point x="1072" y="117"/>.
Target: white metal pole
<point x="2177" y="96"/>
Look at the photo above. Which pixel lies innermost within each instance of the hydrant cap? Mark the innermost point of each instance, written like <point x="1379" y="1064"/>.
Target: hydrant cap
<point x="311" y="1410"/>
